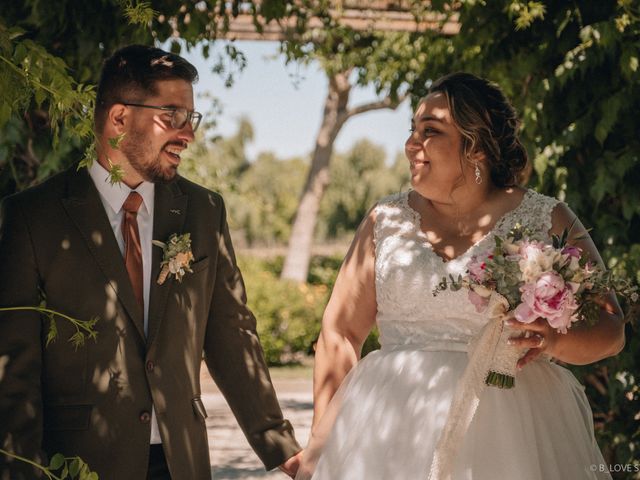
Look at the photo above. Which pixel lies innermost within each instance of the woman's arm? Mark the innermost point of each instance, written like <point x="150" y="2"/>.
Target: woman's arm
<point x="582" y="344"/>
<point x="348" y="318"/>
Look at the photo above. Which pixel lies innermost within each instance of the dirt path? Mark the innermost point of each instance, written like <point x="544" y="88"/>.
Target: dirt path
<point x="231" y="456"/>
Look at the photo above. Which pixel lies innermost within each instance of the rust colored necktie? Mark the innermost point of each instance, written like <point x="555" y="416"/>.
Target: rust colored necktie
<point x="132" y="248"/>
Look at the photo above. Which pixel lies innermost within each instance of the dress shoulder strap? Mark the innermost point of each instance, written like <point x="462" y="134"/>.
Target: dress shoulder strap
<point x="537" y="212"/>
<point x="391" y="215"/>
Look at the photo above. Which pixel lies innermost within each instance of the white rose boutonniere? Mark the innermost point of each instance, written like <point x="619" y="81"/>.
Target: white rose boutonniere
<point x="177" y="257"/>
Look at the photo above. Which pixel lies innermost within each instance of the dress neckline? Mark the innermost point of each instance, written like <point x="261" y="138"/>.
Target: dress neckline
<point x="416" y="219"/>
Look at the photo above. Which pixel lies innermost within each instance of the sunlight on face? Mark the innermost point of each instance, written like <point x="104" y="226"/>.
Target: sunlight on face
<point x="435" y="106"/>
<point x="433" y="149"/>
<point x="152" y="146"/>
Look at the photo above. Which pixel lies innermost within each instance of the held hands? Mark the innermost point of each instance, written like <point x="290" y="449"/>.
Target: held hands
<point x="291" y="465"/>
<point x="539" y="337"/>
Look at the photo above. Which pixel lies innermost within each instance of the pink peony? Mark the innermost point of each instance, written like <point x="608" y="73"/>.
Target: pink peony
<point x="549" y="297"/>
<point x="572" y="251"/>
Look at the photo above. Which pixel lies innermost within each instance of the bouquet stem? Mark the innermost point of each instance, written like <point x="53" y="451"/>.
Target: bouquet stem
<point x="500" y="380"/>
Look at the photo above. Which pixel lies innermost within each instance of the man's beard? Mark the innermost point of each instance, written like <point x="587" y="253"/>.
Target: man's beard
<point x="136" y="149"/>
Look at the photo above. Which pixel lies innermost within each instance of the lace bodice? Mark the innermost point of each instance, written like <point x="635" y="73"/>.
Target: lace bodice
<point x="407" y="271"/>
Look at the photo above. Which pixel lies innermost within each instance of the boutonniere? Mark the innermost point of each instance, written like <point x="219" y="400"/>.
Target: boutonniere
<point x="176" y="258"/>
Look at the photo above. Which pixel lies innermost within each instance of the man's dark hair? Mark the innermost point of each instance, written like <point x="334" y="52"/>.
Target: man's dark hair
<point x="131" y="73"/>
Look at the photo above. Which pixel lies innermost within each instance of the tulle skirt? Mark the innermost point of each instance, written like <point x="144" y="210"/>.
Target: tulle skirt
<point x="385" y="421"/>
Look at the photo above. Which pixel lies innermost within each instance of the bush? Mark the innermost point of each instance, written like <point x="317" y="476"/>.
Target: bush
<point x="288" y="314"/>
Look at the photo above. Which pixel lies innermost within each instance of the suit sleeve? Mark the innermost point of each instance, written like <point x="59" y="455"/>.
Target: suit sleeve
<point x="20" y="345"/>
<point x="236" y="361"/>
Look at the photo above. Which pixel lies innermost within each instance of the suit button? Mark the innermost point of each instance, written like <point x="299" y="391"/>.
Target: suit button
<point x="150" y="366"/>
<point x="145" y="417"/>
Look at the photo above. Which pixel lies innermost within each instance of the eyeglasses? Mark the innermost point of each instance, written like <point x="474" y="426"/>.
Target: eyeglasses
<point x="179" y="116"/>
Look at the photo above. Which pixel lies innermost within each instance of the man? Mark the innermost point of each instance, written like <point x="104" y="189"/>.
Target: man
<point x="129" y="404"/>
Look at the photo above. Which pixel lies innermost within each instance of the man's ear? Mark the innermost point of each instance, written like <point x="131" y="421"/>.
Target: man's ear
<point x="117" y="117"/>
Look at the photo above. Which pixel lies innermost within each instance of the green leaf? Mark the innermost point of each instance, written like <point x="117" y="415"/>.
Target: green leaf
<point x="603" y="184"/>
<point x="116" y="173"/>
<point x="15" y="32"/>
<point x="84" y="472"/>
<point x="5" y="114"/>
<point x="74" y="468"/>
<point x="40" y="96"/>
<point x="20" y="53"/>
<point x="141" y="13"/>
<point x="77" y="340"/>
<point x="115" y="142"/>
<point x="610" y="109"/>
<point x="52" y="333"/>
<point x="56" y="461"/>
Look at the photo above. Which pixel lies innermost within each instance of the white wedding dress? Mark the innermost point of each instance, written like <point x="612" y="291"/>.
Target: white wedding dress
<point x="386" y="418"/>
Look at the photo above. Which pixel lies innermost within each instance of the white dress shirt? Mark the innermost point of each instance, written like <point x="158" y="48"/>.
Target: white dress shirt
<point x="113" y="197"/>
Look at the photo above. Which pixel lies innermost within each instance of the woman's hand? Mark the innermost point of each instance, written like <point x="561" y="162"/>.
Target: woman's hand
<point x="291" y="465"/>
<point x="582" y="344"/>
<point x="539" y="337"/>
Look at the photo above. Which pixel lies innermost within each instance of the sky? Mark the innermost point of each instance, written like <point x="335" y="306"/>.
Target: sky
<point x="284" y="103"/>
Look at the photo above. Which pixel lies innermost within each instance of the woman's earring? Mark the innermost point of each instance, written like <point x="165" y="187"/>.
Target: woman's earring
<point x="478" y="174"/>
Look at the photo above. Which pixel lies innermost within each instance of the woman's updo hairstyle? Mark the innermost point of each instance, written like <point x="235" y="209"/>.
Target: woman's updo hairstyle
<point x="487" y="122"/>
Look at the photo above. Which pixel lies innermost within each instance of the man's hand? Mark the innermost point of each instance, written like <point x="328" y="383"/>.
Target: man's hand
<point x="290" y="467"/>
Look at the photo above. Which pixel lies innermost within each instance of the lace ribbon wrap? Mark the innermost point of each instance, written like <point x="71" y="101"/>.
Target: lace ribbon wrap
<point x="488" y="352"/>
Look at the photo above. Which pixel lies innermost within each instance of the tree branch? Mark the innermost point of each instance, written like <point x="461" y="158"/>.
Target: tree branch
<point x="386" y="102"/>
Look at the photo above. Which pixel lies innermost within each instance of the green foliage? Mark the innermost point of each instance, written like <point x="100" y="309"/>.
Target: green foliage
<point x="83" y="328"/>
<point x="41" y="85"/>
<point x="322" y="270"/>
<point x="116" y="173"/>
<point x="289" y="314"/>
<point x="138" y="13"/>
<point x="60" y="467"/>
<point x="269" y="189"/>
<point x="359" y="178"/>
<point x="50" y="58"/>
<point x="69" y="467"/>
<point x="387" y="60"/>
<point x="262" y="195"/>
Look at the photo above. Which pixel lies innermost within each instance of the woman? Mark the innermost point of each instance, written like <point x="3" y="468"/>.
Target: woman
<point x="381" y="418"/>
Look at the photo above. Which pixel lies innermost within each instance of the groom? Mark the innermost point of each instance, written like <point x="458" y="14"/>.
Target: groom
<point x="129" y="404"/>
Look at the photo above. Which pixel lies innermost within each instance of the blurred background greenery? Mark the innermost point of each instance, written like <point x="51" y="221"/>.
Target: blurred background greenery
<point x="572" y="70"/>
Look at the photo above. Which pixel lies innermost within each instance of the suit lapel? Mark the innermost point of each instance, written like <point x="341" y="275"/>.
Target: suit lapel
<point x="169" y="213"/>
<point x="84" y="207"/>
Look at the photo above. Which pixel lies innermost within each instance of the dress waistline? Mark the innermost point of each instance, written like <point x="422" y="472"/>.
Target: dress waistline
<point x="429" y="346"/>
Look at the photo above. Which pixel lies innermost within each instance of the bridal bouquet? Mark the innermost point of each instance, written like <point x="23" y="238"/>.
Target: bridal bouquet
<point x="556" y="281"/>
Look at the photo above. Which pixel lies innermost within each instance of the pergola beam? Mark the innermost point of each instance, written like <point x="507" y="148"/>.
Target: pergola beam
<point x="386" y="16"/>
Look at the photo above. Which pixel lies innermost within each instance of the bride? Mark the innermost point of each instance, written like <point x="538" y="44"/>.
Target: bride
<point x="381" y="417"/>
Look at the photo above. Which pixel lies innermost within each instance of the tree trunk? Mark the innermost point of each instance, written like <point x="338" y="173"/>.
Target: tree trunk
<point x="296" y="265"/>
<point x="336" y="113"/>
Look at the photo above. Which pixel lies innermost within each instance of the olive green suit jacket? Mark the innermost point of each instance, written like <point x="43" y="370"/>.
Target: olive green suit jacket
<point x="56" y="243"/>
